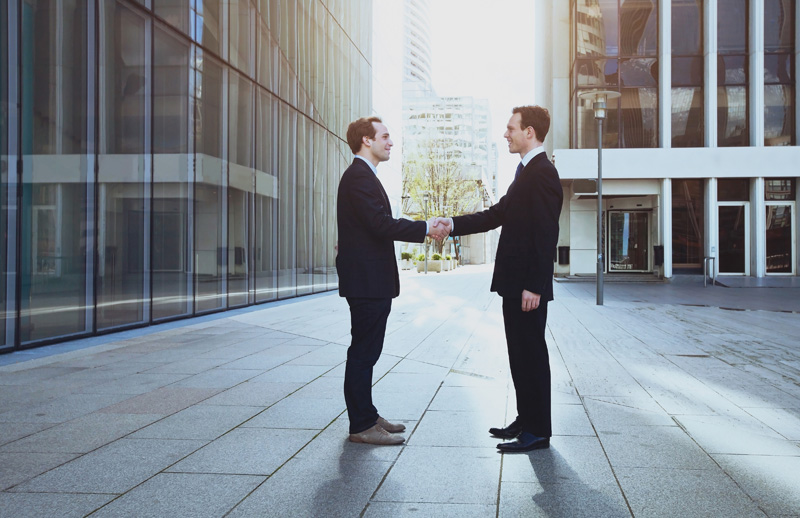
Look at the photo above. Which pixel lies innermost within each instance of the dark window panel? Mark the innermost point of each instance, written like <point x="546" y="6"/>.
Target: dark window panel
<point x="779" y="25"/>
<point x="778" y="69"/>
<point x="639" y="113"/>
<point x="599" y="73"/>
<point x="687" y="27"/>
<point x="687" y="71"/>
<point x="688" y="209"/>
<point x="780" y="189"/>
<point x="733" y="189"/>
<point x="638" y="72"/>
<point x="732" y="116"/>
<point x="732" y="34"/>
<point x="779" y="118"/>
<point x="638" y="28"/>
<point x="687" y="117"/>
<point x="732" y="70"/>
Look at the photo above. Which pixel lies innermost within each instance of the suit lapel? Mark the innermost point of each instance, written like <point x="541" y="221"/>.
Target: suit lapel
<point x="374" y="177"/>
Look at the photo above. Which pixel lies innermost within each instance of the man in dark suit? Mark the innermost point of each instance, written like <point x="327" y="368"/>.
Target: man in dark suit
<point x="523" y="272"/>
<point x="368" y="275"/>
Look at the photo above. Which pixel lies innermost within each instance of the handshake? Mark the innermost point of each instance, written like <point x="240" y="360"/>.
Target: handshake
<point x="439" y="228"/>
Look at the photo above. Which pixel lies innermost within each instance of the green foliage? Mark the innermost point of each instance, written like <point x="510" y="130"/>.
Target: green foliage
<point x="421" y="257"/>
<point x="448" y="257"/>
<point x="436" y="257"/>
<point x="406" y="255"/>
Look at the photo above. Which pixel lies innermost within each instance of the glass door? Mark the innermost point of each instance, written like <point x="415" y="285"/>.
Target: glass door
<point x="628" y="241"/>
<point x="734" y="237"/>
<point x="780" y="238"/>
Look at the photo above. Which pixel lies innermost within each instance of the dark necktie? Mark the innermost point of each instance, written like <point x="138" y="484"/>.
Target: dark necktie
<point x="520" y="167"/>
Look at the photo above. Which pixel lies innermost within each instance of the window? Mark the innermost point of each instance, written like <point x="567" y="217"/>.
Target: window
<point x="616" y="48"/>
<point x="687" y="73"/>
<point x="779" y="73"/>
<point x="733" y="118"/>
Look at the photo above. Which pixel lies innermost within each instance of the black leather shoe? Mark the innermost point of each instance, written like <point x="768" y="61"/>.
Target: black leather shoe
<point x="509" y="432"/>
<point x="525" y="442"/>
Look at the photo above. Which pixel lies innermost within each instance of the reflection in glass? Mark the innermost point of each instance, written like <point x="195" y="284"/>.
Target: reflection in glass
<point x="174" y="12"/>
<point x="628" y="241"/>
<point x="732" y="116"/>
<point x="638" y="72"/>
<point x="778" y="115"/>
<point x="687" y="117"/>
<point x="305" y="148"/>
<point x="209" y="24"/>
<point x="121" y="261"/>
<point x="287" y="171"/>
<point x="779" y="239"/>
<point x="732" y="239"/>
<point x="732" y="70"/>
<point x="266" y="208"/>
<point x="780" y="189"/>
<point x="732" y="26"/>
<point x="687" y="27"/>
<point x="733" y="189"/>
<point x="53" y="238"/>
<point x="688" y="208"/>
<point x="687" y="71"/>
<point x="638" y="27"/>
<point x="242" y="16"/>
<point x="639" y="117"/>
<point x="170" y="250"/>
<point x="209" y="247"/>
<point x="599" y="73"/>
<point x="4" y="168"/>
<point x="779" y="24"/>
<point x="318" y="226"/>
<point x="587" y="125"/>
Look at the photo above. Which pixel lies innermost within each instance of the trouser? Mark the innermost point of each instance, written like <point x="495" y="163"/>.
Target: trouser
<point x="530" y="364"/>
<point x="367" y="329"/>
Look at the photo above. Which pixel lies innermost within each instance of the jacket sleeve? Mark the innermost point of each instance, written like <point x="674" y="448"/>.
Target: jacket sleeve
<point x="483" y="221"/>
<point x="368" y="203"/>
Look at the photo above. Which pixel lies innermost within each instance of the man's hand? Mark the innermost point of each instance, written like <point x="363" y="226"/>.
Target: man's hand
<point x="530" y="301"/>
<point x="439" y="228"/>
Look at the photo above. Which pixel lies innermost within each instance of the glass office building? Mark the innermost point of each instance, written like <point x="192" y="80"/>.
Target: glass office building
<point x="700" y="143"/>
<point x="168" y="158"/>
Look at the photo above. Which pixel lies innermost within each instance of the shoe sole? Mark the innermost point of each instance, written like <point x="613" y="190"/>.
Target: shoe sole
<point x="359" y="440"/>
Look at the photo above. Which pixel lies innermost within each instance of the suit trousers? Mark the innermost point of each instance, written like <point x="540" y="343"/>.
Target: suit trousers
<point x="530" y="364"/>
<point x="367" y="329"/>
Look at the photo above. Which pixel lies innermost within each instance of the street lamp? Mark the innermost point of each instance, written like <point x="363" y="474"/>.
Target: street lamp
<point x="599" y="98"/>
<point x="425" y="208"/>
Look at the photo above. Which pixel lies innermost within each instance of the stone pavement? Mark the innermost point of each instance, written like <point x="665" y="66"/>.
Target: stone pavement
<point x="664" y="405"/>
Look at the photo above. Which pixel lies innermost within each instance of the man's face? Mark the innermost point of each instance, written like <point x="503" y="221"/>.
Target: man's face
<point x="381" y="145"/>
<point x="516" y="136"/>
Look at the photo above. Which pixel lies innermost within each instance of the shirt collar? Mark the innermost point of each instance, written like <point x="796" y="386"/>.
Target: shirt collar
<point x="370" y="164"/>
<point x="530" y="154"/>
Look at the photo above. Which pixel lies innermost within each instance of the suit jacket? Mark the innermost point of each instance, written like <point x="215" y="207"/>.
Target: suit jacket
<point x="529" y="215"/>
<point x="366" y="261"/>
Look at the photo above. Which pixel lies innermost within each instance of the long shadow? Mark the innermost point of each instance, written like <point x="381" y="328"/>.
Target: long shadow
<point x="565" y="492"/>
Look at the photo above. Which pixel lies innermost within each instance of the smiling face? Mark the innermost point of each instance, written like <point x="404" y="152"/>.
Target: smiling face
<point x="520" y="140"/>
<point x="377" y="148"/>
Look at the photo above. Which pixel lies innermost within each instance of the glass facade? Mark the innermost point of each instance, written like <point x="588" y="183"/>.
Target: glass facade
<point x="688" y="84"/>
<point x="616" y="48"/>
<point x="176" y="157"/>
<point x="733" y="70"/>
<point x="779" y="73"/>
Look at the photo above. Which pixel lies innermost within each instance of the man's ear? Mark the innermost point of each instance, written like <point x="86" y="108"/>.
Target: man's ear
<point x="365" y="141"/>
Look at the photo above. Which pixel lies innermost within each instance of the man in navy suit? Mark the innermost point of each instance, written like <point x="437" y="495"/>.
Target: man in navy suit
<point x="523" y="272"/>
<point x="368" y="275"/>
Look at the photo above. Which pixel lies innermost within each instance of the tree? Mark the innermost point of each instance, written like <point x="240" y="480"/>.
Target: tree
<point x="432" y="166"/>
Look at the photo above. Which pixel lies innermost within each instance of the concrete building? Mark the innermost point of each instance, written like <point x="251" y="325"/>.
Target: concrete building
<point x="163" y="159"/>
<point x="700" y="156"/>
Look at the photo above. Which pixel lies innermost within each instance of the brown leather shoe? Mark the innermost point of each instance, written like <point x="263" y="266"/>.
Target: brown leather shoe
<point x="389" y="427"/>
<point x="377" y="435"/>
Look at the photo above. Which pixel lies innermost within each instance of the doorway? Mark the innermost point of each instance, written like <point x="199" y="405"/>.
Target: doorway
<point x="734" y="238"/>
<point x="628" y="241"/>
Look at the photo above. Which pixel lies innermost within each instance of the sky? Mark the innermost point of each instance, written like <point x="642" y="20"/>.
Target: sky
<point x="481" y="49"/>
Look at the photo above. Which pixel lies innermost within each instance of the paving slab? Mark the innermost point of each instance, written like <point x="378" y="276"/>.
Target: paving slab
<point x="63" y="505"/>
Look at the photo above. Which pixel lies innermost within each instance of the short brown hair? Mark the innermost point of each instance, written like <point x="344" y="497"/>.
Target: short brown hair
<point x="536" y="117"/>
<point x="359" y="129"/>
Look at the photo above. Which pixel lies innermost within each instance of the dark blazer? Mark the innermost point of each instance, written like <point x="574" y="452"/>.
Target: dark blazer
<point x="529" y="215"/>
<point x="366" y="261"/>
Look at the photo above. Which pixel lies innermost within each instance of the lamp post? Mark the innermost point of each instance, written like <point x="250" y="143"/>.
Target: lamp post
<point x="425" y="202"/>
<point x="599" y="98"/>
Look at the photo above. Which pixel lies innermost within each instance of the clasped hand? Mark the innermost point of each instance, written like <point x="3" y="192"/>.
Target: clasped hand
<point x="439" y="228"/>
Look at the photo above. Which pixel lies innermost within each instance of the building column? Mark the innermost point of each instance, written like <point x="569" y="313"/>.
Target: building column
<point x="665" y="73"/>
<point x="712" y="216"/>
<point x="666" y="225"/>
<point x="710" y="54"/>
<point x="758" y="222"/>
<point x="756" y="79"/>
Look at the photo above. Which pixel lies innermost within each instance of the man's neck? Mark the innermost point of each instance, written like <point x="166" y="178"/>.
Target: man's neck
<point x="369" y="158"/>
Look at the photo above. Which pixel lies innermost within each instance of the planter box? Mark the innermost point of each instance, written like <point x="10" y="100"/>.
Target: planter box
<point x="406" y="264"/>
<point x="447" y="265"/>
<point x="433" y="266"/>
